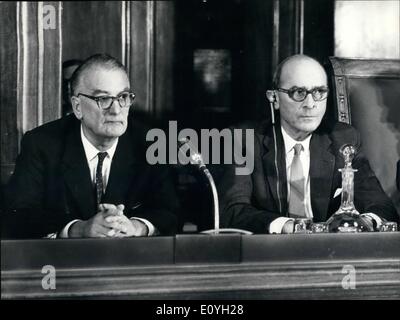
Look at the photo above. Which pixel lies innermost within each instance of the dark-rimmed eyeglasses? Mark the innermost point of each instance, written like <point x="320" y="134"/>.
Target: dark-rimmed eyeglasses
<point x="299" y="94"/>
<point x="125" y="100"/>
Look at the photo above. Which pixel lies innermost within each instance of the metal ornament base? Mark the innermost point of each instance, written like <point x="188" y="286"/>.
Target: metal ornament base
<point x="348" y="222"/>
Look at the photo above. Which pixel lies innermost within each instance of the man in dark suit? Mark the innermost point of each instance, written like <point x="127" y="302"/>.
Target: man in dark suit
<point x="296" y="161"/>
<point x="86" y="174"/>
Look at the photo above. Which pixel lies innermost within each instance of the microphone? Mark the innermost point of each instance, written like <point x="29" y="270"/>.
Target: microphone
<point x="196" y="159"/>
<point x="270" y="94"/>
<point x="271" y="97"/>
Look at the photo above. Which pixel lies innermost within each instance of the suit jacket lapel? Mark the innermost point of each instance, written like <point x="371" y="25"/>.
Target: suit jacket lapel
<point x="276" y="180"/>
<point x="77" y="174"/>
<point x="322" y="164"/>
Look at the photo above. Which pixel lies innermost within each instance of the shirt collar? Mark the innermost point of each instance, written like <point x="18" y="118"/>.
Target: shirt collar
<point x="91" y="151"/>
<point x="290" y="142"/>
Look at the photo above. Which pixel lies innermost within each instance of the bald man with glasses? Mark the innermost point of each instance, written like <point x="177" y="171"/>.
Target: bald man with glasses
<point x="86" y="174"/>
<point x="296" y="161"/>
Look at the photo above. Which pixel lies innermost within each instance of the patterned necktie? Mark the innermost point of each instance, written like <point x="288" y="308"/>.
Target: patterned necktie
<point x="99" y="177"/>
<point x="296" y="199"/>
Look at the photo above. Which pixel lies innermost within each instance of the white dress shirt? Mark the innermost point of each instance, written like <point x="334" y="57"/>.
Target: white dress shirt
<point x="92" y="159"/>
<point x="277" y="225"/>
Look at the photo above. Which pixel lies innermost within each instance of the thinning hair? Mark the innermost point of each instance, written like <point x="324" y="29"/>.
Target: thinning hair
<point x="276" y="80"/>
<point x="98" y="60"/>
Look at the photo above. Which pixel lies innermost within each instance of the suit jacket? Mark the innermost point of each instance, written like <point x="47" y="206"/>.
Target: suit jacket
<point x="252" y="202"/>
<point x="51" y="184"/>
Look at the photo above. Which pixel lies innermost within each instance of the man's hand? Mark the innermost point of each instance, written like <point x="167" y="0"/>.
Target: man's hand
<point x="288" y="227"/>
<point x="98" y="226"/>
<point x="129" y="228"/>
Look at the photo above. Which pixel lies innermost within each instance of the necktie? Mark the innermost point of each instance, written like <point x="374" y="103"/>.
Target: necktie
<point x="296" y="199"/>
<point x="99" y="177"/>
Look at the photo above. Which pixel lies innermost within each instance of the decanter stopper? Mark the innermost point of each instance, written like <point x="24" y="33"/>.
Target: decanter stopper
<point x="347" y="151"/>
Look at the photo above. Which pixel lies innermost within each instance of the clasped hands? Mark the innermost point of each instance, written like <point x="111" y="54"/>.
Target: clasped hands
<point x="110" y="222"/>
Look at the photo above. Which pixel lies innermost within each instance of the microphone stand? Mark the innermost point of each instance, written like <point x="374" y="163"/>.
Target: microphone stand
<point x="197" y="160"/>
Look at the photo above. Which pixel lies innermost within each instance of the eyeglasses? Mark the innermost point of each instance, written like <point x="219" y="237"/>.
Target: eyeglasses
<point x="300" y="94"/>
<point x="125" y="100"/>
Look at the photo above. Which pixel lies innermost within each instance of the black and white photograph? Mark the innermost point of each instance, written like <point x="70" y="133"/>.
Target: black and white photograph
<point x="200" y="155"/>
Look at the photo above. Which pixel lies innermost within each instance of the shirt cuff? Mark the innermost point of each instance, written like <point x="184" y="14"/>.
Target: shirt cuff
<point x="64" y="232"/>
<point x="149" y="225"/>
<point x="277" y="225"/>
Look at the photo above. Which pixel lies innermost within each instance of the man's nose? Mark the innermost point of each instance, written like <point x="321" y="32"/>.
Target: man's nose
<point x="115" y="107"/>
<point x="309" y="101"/>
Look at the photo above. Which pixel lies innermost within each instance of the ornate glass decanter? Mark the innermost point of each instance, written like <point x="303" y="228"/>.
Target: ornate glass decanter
<point x="347" y="219"/>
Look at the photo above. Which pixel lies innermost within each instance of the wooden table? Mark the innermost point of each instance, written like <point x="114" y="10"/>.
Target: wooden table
<point x="230" y="266"/>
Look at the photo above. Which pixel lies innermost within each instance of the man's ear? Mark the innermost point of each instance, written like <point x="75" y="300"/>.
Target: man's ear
<point x="276" y="104"/>
<point x="76" y="107"/>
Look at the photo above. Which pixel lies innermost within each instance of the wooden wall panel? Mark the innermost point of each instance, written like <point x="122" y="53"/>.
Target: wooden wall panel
<point x="257" y="56"/>
<point x="290" y="19"/>
<point x="8" y="87"/>
<point x="151" y="55"/>
<point x="164" y="57"/>
<point x="142" y="54"/>
<point x="90" y="27"/>
<point x="29" y="115"/>
<point x="51" y="68"/>
<point x="303" y="27"/>
<point x="319" y="28"/>
<point x="30" y="69"/>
